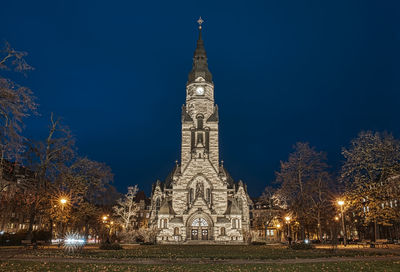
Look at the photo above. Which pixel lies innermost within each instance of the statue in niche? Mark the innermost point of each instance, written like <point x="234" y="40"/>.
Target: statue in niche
<point x="199" y="189"/>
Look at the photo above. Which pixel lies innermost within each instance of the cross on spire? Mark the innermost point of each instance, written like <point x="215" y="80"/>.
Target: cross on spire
<point x="200" y="21"/>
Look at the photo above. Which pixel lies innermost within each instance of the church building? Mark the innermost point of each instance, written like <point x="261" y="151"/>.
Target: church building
<point x="199" y="202"/>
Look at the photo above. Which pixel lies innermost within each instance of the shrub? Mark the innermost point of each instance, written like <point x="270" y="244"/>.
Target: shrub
<point x="258" y="243"/>
<point x="14" y="239"/>
<point x="301" y="246"/>
<point x="42" y="235"/>
<point x="113" y="246"/>
<point x="147" y="243"/>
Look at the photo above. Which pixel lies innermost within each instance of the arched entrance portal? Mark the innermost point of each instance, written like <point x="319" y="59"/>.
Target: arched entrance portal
<point x="199" y="229"/>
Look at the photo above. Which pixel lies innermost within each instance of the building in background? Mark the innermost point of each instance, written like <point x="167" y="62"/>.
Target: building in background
<point x="143" y="215"/>
<point x="266" y="222"/>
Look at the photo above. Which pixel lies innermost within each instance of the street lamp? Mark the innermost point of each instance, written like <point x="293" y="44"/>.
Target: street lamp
<point x="278" y="232"/>
<point x="107" y="224"/>
<point x="287" y="219"/>
<point x="63" y="201"/>
<point x="341" y="203"/>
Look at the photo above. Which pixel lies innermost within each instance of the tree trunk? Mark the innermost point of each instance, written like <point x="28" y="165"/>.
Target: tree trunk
<point x="51" y="229"/>
<point x="319" y="226"/>
<point x="86" y="230"/>
<point x="375" y="230"/>
<point x="303" y="233"/>
<point x="32" y="216"/>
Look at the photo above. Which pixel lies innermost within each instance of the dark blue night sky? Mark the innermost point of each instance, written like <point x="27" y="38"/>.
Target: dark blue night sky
<point x="284" y="71"/>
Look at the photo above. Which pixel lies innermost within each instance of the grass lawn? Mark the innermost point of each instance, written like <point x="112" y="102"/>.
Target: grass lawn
<point x="204" y="251"/>
<point x="342" y="266"/>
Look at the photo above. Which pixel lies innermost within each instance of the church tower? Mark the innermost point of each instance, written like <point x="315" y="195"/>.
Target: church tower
<point x="199" y="201"/>
<point x="200" y="114"/>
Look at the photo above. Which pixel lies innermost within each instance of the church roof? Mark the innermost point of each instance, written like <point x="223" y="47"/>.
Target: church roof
<point x="223" y="220"/>
<point x="214" y="117"/>
<point x="177" y="219"/>
<point x="166" y="207"/>
<point x="140" y="196"/>
<point x="229" y="179"/>
<point x="232" y="207"/>
<point x="169" y="178"/>
<point x="185" y="116"/>
<point x="200" y="66"/>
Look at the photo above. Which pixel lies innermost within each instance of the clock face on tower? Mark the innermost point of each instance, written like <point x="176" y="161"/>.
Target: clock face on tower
<point x="199" y="90"/>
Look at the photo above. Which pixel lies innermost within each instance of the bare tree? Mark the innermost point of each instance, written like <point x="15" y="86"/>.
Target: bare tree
<point x="369" y="171"/>
<point x="321" y="195"/>
<point x="80" y="183"/>
<point x="300" y="177"/>
<point x="148" y="234"/>
<point x="16" y="103"/>
<point x="127" y="208"/>
<point x="47" y="159"/>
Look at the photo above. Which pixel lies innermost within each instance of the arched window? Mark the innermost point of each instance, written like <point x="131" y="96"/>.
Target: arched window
<point x="157" y="203"/>
<point x="165" y="223"/>
<point x="199" y="189"/>
<point x="191" y="196"/>
<point x="223" y="233"/>
<point x="200" y="139"/>
<point x="176" y="231"/>
<point x="234" y="224"/>
<point x="208" y="195"/>
<point x="199" y="222"/>
<point x="200" y="121"/>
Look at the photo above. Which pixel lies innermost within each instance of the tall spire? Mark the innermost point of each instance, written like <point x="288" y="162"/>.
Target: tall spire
<point x="200" y="66"/>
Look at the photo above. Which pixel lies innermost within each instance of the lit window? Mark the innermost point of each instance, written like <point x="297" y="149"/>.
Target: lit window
<point x="199" y="222"/>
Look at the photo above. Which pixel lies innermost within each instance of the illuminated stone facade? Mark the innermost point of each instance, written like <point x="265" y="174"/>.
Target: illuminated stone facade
<point x="199" y="202"/>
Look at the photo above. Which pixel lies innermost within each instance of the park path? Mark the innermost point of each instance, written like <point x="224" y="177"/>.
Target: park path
<point x="197" y="260"/>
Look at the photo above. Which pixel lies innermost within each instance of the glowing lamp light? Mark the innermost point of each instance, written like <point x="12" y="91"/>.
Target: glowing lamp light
<point x="306" y="241"/>
<point x="337" y="218"/>
<point x="73" y="241"/>
<point x="340" y="202"/>
<point x="63" y="201"/>
<point x="287" y="218"/>
<point x="105" y="218"/>
<point x="278" y="226"/>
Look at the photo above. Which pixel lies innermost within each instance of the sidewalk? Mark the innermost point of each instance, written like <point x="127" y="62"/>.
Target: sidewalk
<point x="198" y="260"/>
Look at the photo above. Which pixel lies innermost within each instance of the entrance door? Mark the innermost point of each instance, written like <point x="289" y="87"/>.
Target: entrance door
<point x="195" y="234"/>
<point x="204" y="234"/>
<point x="199" y="229"/>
